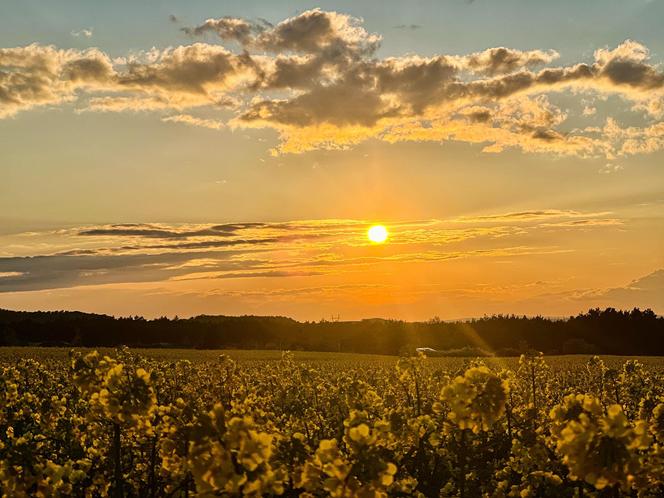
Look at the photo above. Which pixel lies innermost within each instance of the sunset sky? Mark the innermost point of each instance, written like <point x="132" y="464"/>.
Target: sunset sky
<point x="222" y="157"/>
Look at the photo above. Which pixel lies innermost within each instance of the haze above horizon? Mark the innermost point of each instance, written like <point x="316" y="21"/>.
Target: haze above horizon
<point x="171" y="158"/>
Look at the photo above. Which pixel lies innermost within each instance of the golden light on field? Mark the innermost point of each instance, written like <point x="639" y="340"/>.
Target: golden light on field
<point x="377" y="234"/>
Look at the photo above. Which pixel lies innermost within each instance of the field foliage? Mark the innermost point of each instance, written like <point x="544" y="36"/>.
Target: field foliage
<point x="183" y="423"/>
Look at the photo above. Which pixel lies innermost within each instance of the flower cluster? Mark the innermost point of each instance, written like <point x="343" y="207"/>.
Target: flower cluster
<point x="154" y="425"/>
<point x="475" y="400"/>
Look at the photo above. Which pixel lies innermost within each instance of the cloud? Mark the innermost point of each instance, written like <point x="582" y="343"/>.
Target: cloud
<point x="149" y="233"/>
<point x="249" y="274"/>
<point x="194" y="121"/>
<point x="589" y="111"/>
<point x="227" y="28"/>
<point x="58" y="271"/>
<point x="408" y="26"/>
<point x="644" y="292"/>
<point x="10" y="274"/>
<point x="609" y="168"/>
<point x="324" y="34"/>
<point x="38" y="75"/>
<point x="125" y="253"/>
<point x="502" y="60"/>
<point x="587" y="223"/>
<point x="331" y="292"/>
<point x="316" y="79"/>
<point x="166" y="232"/>
<point x="428" y="99"/>
<point x="87" y="33"/>
<point x="329" y="33"/>
<point x="528" y="216"/>
<point x="191" y="75"/>
<point x="627" y="65"/>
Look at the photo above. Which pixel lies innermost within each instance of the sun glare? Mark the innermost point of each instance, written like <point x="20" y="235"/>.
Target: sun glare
<point x="377" y="234"/>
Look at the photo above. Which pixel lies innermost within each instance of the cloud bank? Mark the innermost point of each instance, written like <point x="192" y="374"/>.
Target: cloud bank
<point x="317" y="79"/>
<point x="126" y="253"/>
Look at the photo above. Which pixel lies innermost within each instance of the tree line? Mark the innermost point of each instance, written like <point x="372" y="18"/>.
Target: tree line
<point x="608" y="331"/>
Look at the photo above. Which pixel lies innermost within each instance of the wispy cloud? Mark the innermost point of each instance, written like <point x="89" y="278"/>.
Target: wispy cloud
<point x="408" y="26"/>
<point x="95" y="255"/>
<point x="83" y="33"/>
<point x="644" y="292"/>
<point x="194" y="121"/>
<point x="10" y="274"/>
<point x="528" y="216"/>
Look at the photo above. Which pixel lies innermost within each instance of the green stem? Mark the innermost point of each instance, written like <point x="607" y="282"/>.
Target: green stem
<point x="462" y="465"/>
<point x="117" y="459"/>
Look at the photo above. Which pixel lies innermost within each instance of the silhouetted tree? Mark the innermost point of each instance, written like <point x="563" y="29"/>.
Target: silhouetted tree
<point x="608" y="331"/>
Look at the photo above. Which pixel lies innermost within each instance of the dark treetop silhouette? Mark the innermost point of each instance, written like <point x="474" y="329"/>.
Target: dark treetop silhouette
<point x="606" y="331"/>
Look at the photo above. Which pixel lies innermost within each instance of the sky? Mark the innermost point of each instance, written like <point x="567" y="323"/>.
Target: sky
<point x="221" y="157"/>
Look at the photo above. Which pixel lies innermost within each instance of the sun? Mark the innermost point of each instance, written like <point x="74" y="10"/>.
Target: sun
<point x="377" y="234"/>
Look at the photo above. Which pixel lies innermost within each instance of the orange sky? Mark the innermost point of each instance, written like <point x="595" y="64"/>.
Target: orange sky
<point x="229" y="160"/>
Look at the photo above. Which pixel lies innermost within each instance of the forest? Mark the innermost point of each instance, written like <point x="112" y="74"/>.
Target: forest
<point x="608" y="331"/>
